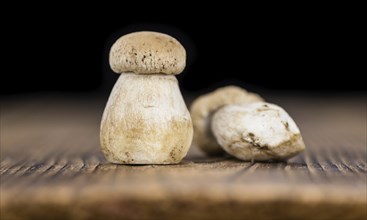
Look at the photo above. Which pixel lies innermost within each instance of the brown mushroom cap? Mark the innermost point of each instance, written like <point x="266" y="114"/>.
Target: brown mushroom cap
<point x="147" y="53"/>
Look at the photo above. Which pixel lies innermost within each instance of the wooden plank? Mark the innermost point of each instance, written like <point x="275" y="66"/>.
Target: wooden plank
<point x="51" y="167"/>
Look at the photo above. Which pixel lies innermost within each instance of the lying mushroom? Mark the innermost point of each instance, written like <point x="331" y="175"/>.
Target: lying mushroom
<point x="257" y="131"/>
<point x="146" y="120"/>
<point x="205" y="106"/>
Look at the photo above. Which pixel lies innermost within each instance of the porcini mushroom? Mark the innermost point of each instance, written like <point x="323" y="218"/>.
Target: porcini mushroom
<point x="203" y="108"/>
<point x="146" y="120"/>
<point x="257" y="131"/>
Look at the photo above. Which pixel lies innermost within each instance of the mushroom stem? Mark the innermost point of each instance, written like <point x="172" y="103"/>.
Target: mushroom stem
<point x="146" y="121"/>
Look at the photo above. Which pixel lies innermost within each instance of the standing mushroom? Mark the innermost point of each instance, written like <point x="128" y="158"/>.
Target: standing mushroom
<point x="146" y="120"/>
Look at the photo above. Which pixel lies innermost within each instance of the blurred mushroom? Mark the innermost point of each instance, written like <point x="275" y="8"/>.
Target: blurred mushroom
<point x="203" y="108"/>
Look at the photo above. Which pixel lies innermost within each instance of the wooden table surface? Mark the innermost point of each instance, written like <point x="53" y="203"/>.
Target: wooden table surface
<point x="52" y="168"/>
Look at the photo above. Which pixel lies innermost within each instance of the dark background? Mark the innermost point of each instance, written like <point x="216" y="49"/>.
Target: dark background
<point x="65" y="47"/>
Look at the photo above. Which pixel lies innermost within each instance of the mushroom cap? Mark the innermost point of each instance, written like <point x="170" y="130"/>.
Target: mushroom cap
<point x="203" y="108"/>
<point x="257" y="131"/>
<point x="147" y="53"/>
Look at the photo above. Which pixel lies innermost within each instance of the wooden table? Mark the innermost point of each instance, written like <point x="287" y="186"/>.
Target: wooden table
<point x="52" y="168"/>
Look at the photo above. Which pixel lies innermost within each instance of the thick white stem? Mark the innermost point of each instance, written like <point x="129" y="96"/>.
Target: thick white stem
<point x="146" y="121"/>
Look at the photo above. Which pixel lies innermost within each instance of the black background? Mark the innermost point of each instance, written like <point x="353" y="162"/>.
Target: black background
<point x="65" y="47"/>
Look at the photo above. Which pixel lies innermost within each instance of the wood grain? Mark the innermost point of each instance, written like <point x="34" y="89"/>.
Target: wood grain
<point x="52" y="168"/>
